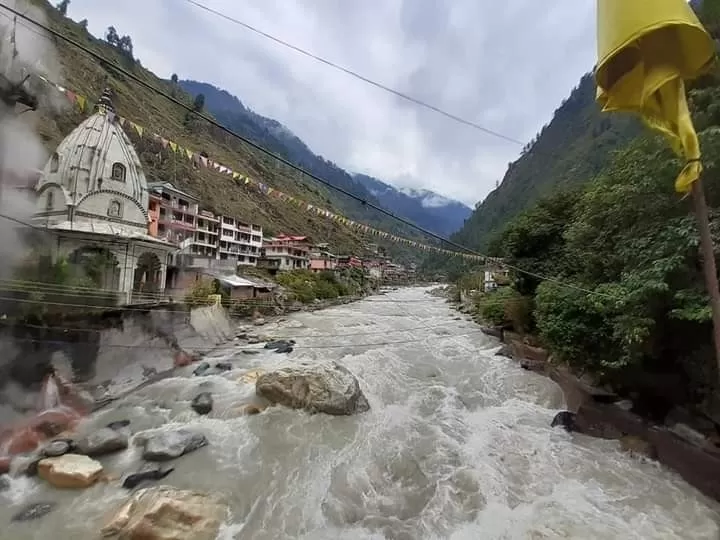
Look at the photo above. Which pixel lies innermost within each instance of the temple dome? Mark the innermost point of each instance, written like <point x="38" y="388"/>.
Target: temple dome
<point x="95" y="176"/>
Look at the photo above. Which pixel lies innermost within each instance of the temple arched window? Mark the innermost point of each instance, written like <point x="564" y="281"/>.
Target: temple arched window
<point x="118" y="172"/>
<point x="49" y="201"/>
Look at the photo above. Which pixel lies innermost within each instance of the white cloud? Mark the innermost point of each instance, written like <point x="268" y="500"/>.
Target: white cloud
<point x="504" y="65"/>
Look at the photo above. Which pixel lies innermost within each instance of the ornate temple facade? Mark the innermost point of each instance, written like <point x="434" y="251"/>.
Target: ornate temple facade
<point x="94" y="196"/>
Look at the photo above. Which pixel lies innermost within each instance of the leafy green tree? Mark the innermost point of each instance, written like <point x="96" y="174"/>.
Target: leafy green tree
<point x="199" y="103"/>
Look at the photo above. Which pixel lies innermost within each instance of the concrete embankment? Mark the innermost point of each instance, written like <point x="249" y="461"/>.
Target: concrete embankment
<point x="118" y="348"/>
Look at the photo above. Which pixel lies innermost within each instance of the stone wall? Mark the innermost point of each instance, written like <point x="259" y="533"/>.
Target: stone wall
<point x="105" y="346"/>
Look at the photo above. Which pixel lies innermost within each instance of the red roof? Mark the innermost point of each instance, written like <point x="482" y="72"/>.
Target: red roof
<point x="284" y="238"/>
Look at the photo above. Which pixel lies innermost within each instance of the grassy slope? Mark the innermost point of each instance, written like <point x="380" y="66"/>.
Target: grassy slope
<point x="218" y="192"/>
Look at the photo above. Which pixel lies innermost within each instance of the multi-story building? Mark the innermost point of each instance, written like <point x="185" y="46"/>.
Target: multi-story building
<point x="286" y="253"/>
<point x="205" y="243"/>
<point x="321" y="259"/>
<point x="239" y="240"/>
<point x="175" y="212"/>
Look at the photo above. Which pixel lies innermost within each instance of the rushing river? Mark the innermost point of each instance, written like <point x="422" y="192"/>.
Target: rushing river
<point x="457" y="445"/>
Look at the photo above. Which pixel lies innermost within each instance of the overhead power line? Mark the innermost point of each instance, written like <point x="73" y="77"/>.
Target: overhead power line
<point x="461" y="248"/>
<point x="356" y="75"/>
<point x="232" y="133"/>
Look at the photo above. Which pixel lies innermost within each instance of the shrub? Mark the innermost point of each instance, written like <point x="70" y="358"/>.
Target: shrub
<point x="199" y="295"/>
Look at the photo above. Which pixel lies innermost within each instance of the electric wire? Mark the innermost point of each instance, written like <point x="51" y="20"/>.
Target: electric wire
<point x="297" y="168"/>
<point x="355" y="74"/>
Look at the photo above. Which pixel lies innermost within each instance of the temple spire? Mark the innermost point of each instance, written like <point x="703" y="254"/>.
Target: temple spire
<point x="105" y="104"/>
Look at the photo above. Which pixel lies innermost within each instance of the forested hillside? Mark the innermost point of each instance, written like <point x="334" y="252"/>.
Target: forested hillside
<point x="609" y="276"/>
<point x="569" y="151"/>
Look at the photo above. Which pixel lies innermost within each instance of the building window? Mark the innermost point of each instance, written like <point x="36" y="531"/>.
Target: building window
<point x="118" y="172"/>
<point x="54" y="162"/>
<point x="49" y="201"/>
<point x="115" y="209"/>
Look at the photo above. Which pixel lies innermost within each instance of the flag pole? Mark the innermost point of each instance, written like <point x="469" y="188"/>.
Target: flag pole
<point x="708" y="259"/>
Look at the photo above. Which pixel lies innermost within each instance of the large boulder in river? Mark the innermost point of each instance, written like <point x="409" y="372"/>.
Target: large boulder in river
<point x="324" y="387"/>
<point x="165" y="513"/>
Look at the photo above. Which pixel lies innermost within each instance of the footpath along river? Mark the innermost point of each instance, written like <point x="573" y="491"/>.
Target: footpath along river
<point x="457" y="444"/>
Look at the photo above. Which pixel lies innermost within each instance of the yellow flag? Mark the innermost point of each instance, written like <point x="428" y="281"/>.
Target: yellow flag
<point x="646" y="50"/>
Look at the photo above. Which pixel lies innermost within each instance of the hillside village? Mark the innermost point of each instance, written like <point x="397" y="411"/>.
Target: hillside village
<point x="144" y="227"/>
<point x="175" y="245"/>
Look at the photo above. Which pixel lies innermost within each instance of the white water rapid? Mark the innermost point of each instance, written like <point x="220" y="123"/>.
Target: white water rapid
<point x="457" y="445"/>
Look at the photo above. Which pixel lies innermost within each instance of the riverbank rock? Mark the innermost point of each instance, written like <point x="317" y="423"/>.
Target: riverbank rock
<point x="167" y="445"/>
<point x="164" y="513"/>
<point x="202" y="403"/>
<point x="103" y="441"/>
<point x="637" y="447"/>
<point x="565" y="419"/>
<point x="70" y="471"/>
<point x="324" y="387"/>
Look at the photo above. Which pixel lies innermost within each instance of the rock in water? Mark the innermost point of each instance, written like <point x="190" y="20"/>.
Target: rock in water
<point x="223" y="366"/>
<point x="167" y="445"/>
<point x="325" y="387"/>
<point x="201" y="369"/>
<point x="34" y="511"/>
<point x="279" y="343"/>
<point x="154" y="474"/>
<point x="104" y="441"/>
<point x="202" y="403"/>
<point x="70" y="471"/>
<point x="119" y="424"/>
<point x="284" y="348"/>
<point x="565" y="419"/>
<point x="57" y="448"/>
<point x="165" y="513"/>
<point x="4" y="482"/>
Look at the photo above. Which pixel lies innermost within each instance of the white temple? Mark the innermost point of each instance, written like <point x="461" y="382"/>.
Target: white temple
<point x="93" y="194"/>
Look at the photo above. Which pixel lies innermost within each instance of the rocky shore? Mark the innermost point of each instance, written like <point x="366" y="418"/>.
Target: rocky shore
<point x="67" y="447"/>
<point x="683" y="440"/>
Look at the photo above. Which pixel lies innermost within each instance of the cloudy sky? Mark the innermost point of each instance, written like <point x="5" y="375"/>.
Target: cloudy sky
<point x="503" y="65"/>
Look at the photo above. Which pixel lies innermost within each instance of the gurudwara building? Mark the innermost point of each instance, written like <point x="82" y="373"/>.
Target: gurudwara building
<point x="93" y="195"/>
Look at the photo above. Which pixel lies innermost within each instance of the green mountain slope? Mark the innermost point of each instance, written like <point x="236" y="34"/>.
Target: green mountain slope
<point x="570" y="150"/>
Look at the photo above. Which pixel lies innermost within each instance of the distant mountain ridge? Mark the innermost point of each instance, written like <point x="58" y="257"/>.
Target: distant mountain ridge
<point x="425" y="208"/>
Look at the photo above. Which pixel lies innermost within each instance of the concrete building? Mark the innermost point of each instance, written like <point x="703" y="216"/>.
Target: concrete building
<point x="207" y="232"/>
<point x="175" y="211"/>
<point x="286" y="253"/>
<point x="93" y="195"/>
<point x="240" y="241"/>
<point x="321" y="259"/>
